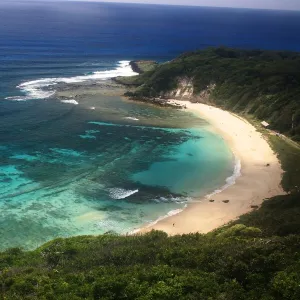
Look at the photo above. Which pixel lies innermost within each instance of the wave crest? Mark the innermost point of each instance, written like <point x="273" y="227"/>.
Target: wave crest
<point x="169" y="214"/>
<point x="117" y="193"/>
<point x="229" y="180"/>
<point x="44" y="88"/>
<point x="71" y="101"/>
<point x="132" y="118"/>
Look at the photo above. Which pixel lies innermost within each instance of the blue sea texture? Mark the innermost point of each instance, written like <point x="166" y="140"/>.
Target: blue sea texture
<point x="99" y="163"/>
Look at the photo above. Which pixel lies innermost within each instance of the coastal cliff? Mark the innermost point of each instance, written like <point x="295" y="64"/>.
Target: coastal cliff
<point x="265" y="84"/>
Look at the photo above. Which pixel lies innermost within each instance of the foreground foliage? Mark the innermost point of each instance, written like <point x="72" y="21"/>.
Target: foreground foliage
<point x="265" y="84"/>
<point x="232" y="263"/>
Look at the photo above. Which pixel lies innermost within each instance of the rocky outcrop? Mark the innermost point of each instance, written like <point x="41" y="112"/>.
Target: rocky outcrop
<point x="185" y="91"/>
<point x="154" y="101"/>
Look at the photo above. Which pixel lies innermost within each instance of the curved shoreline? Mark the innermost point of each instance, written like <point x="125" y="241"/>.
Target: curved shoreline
<point x="256" y="182"/>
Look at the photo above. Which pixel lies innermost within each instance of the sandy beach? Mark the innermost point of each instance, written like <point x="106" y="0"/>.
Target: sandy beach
<point x="260" y="177"/>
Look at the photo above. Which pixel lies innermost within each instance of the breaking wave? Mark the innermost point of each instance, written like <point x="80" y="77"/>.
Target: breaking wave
<point x="229" y="180"/>
<point x="132" y="118"/>
<point x="44" y="88"/>
<point x="117" y="193"/>
<point x="171" y="199"/>
<point x="71" y="101"/>
<point x="169" y="214"/>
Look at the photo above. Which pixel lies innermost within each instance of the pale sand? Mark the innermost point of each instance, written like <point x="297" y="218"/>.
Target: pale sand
<point x="256" y="183"/>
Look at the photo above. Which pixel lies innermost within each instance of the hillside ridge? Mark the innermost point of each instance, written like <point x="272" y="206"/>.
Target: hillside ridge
<point x="265" y="84"/>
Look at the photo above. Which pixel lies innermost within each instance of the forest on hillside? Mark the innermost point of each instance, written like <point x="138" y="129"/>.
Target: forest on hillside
<point x="265" y="84"/>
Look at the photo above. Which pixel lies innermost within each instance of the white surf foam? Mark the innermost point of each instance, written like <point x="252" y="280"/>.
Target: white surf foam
<point x="44" y="88"/>
<point x="230" y="180"/>
<point x="171" y="199"/>
<point x="132" y="118"/>
<point x="169" y="214"/>
<point x="117" y="193"/>
<point x="71" y="101"/>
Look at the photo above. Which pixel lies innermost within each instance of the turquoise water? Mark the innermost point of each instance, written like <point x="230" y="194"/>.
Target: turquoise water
<point x="193" y="167"/>
<point x="68" y="170"/>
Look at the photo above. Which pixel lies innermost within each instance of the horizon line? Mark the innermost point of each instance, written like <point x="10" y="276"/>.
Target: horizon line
<point x="159" y="4"/>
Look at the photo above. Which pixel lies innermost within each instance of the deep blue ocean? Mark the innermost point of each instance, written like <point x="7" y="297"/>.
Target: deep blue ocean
<point x="101" y="163"/>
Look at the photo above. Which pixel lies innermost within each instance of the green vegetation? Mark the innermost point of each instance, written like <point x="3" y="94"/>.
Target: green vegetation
<point x="129" y="80"/>
<point x="255" y="258"/>
<point x="234" y="263"/>
<point x="289" y="156"/>
<point x="265" y="84"/>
